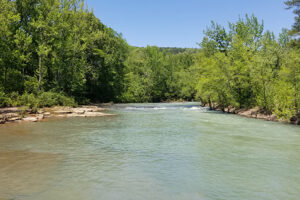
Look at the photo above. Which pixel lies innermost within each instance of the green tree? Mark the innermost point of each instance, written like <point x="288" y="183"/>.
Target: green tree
<point x="8" y="24"/>
<point x="295" y="4"/>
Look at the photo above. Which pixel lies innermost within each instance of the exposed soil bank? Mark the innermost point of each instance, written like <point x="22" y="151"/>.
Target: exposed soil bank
<point x="18" y="114"/>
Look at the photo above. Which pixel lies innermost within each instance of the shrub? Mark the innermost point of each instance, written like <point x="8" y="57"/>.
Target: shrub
<point x="28" y="100"/>
<point x="31" y="85"/>
<point x="33" y="102"/>
<point x="49" y="99"/>
<point x="4" y="100"/>
<point x="15" y="98"/>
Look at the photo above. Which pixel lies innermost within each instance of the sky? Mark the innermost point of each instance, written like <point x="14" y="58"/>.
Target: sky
<point x="180" y="23"/>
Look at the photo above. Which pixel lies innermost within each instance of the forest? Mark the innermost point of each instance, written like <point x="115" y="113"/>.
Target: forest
<point x="56" y="52"/>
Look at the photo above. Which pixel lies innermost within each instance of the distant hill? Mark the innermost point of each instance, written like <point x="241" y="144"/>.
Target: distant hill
<point x="175" y="50"/>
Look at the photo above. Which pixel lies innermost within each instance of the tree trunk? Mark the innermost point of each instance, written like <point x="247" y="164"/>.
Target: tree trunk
<point x="210" y="104"/>
<point x="5" y="77"/>
<point x="23" y="73"/>
<point x="40" y="71"/>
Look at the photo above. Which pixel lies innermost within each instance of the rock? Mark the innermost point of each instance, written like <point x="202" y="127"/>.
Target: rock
<point x="10" y="115"/>
<point x="40" y="117"/>
<point x="62" y="112"/>
<point x="40" y="112"/>
<point x="13" y="119"/>
<point x="47" y="114"/>
<point x="9" y="110"/>
<point x="96" y="114"/>
<point x="273" y="117"/>
<point x="293" y="119"/>
<point x="75" y="115"/>
<point x="86" y="114"/>
<point x="92" y="108"/>
<point x="30" y="119"/>
<point x="261" y="116"/>
<point x="79" y="110"/>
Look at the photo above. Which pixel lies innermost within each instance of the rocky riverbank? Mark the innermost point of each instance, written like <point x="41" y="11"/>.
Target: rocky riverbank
<point x="258" y="113"/>
<point x="19" y="114"/>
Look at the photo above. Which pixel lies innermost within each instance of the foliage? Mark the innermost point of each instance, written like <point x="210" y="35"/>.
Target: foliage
<point x="55" y="52"/>
<point x="49" y="99"/>
<point x="247" y="67"/>
<point x="59" y="46"/>
<point x="32" y="101"/>
<point x="296" y="5"/>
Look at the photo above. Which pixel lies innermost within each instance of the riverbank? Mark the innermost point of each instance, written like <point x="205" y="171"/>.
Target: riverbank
<point x="20" y="114"/>
<point x="258" y="113"/>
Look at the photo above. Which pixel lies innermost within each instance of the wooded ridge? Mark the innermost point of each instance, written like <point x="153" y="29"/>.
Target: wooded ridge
<point x="56" y="52"/>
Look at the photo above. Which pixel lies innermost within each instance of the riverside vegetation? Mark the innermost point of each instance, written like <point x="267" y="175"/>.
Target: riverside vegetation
<point x="56" y="52"/>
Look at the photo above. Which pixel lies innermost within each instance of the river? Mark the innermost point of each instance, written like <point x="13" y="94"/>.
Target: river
<point x="151" y="151"/>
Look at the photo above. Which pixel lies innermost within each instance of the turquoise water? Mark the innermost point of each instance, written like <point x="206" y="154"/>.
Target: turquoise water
<point x="151" y="151"/>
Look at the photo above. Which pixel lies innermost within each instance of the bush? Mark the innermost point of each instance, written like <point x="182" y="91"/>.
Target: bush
<point x="4" y="100"/>
<point x="49" y="99"/>
<point x="15" y="98"/>
<point x="28" y="100"/>
<point x="45" y="99"/>
<point x="31" y="85"/>
<point x="82" y="101"/>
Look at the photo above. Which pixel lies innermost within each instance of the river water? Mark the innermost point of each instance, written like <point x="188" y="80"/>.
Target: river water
<point x="151" y="151"/>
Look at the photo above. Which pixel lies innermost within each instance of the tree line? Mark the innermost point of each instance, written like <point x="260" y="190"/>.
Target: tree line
<point x="59" y="46"/>
<point x="57" y="52"/>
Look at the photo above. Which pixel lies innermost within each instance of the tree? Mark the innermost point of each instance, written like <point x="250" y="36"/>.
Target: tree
<point x="296" y="5"/>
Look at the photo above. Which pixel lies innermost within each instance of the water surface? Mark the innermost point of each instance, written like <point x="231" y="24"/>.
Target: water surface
<point x="151" y="151"/>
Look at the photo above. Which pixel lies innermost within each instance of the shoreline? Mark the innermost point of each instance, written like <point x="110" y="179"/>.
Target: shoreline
<point x="19" y="114"/>
<point x="257" y="113"/>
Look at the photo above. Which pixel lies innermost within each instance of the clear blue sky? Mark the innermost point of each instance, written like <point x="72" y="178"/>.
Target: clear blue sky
<point x="180" y="23"/>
